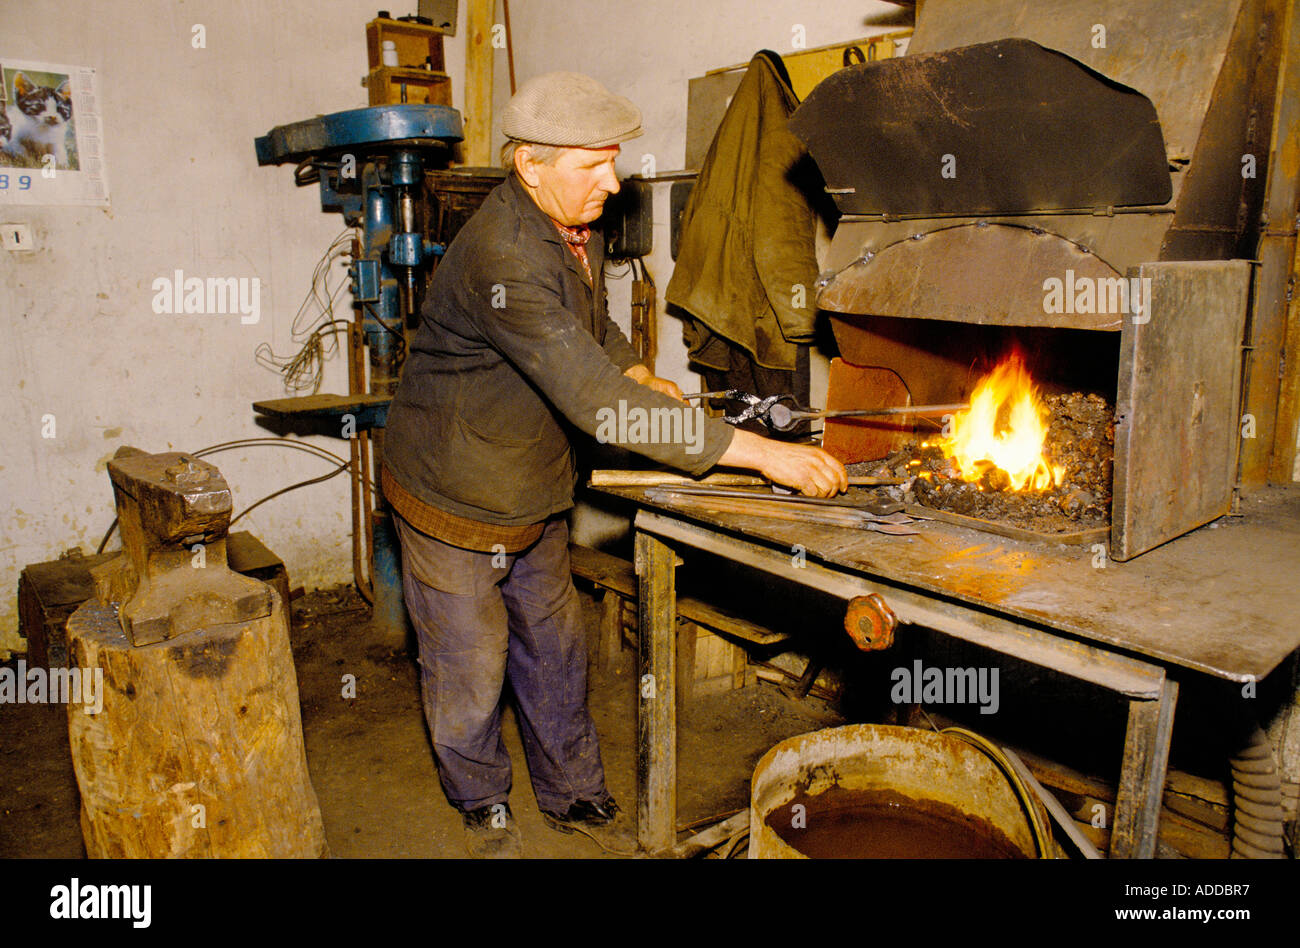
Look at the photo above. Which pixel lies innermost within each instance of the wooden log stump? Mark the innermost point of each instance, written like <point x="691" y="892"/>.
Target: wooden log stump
<point x="197" y="750"/>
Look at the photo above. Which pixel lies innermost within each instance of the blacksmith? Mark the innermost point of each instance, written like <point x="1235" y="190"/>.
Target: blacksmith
<point x="515" y="355"/>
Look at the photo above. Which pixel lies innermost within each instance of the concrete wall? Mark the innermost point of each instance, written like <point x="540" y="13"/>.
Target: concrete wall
<point x="83" y="343"/>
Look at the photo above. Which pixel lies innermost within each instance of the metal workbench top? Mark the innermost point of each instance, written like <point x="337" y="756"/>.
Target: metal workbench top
<point x="1223" y="599"/>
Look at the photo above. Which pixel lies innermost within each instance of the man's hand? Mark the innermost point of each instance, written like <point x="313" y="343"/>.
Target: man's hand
<point x="808" y="469"/>
<point x="640" y="374"/>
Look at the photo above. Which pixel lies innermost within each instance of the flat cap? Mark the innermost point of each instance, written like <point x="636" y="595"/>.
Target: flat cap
<point x="570" y="110"/>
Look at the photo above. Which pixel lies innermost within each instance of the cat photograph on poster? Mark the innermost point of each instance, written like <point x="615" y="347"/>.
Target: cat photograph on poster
<point x="36" y="120"/>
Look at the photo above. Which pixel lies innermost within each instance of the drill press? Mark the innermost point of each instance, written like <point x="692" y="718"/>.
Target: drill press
<point x="370" y="165"/>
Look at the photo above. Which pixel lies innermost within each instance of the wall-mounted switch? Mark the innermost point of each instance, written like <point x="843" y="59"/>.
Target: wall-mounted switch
<point x="17" y="237"/>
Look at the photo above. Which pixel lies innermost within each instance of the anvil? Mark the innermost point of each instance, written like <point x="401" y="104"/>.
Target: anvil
<point x="172" y="577"/>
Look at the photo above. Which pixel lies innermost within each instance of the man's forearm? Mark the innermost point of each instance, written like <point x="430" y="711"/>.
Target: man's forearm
<point x="804" y="467"/>
<point x="747" y="450"/>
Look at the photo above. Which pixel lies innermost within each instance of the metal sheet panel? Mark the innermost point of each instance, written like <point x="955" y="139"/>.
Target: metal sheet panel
<point x="1178" y="410"/>
<point x="1121" y="241"/>
<point x="1169" y="50"/>
<point x="707" y="99"/>
<point x="1000" y="127"/>
<point x="993" y="274"/>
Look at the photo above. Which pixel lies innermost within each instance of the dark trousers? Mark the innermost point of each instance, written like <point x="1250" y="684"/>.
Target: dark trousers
<point x="479" y="619"/>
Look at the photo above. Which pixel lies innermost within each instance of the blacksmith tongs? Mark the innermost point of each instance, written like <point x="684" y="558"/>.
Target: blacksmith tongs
<point x="782" y="412"/>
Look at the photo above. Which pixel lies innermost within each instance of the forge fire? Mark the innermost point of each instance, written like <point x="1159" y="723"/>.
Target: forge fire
<point x="1041" y="463"/>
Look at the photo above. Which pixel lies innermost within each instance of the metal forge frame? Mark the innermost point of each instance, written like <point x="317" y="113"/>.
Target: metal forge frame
<point x="970" y="175"/>
<point x="1134" y="629"/>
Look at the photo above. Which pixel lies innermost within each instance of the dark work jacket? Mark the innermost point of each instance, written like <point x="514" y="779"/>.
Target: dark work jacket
<point x="513" y="342"/>
<point x="749" y="232"/>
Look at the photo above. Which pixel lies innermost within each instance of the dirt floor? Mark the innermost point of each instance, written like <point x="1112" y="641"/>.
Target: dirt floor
<point x="374" y="774"/>
<point x="370" y="758"/>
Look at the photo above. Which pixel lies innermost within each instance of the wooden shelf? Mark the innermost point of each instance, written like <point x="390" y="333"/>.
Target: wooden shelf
<point x="415" y="43"/>
<point x="422" y="86"/>
<point x="420" y="64"/>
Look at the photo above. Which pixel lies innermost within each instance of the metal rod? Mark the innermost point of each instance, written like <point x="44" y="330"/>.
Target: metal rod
<point x="855" y="412"/>
<point x="616" y="478"/>
<point x="766" y="496"/>
<point x="1053" y="805"/>
<point x="966" y="215"/>
<point x="868" y="412"/>
<point x="713" y="837"/>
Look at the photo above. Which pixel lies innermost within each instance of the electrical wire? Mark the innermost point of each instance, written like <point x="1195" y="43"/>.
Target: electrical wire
<point x="1042" y="838"/>
<point x="645" y="272"/>
<point x="315" y="326"/>
<point x="284" y="490"/>
<point x="619" y="268"/>
<point x="343" y="465"/>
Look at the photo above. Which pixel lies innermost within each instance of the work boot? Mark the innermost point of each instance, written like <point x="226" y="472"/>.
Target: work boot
<point x="598" y="821"/>
<point x="491" y="833"/>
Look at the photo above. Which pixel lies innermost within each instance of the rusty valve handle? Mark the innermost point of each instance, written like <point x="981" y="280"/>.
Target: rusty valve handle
<point x="870" y="623"/>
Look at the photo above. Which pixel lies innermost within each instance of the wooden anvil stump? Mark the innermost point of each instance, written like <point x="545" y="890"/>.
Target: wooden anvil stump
<point x="197" y="749"/>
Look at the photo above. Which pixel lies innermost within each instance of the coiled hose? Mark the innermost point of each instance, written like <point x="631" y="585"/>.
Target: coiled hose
<point x="1042" y="835"/>
<point x="1256" y="801"/>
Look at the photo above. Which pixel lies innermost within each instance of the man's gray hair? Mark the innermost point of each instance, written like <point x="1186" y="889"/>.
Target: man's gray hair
<point x="546" y="154"/>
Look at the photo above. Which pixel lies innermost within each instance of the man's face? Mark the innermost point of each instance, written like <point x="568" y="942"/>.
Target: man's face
<point x="574" y="189"/>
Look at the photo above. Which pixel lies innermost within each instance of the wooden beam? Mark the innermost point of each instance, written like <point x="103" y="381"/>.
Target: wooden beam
<point x="1283" y="465"/>
<point x="480" y="59"/>
<point x="617" y="575"/>
<point x="656" y="758"/>
<point x="1269" y="456"/>
<point x="1142" y="776"/>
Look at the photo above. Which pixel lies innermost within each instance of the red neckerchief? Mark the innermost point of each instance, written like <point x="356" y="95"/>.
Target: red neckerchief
<point x="575" y="238"/>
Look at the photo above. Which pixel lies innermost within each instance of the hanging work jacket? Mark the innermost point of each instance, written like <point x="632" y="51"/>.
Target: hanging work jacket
<point x="747" y="267"/>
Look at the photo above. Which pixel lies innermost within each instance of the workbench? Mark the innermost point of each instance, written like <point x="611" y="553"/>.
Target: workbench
<point x="1220" y="601"/>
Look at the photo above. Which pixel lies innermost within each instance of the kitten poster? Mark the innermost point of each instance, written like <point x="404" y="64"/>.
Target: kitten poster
<point x="50" y="135"/>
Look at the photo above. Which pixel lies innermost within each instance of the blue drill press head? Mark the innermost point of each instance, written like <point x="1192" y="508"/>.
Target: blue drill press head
<point x="364" y="130"/>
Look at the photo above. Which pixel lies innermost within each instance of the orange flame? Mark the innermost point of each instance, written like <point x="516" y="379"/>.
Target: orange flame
<point x="1004" y="428"/>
